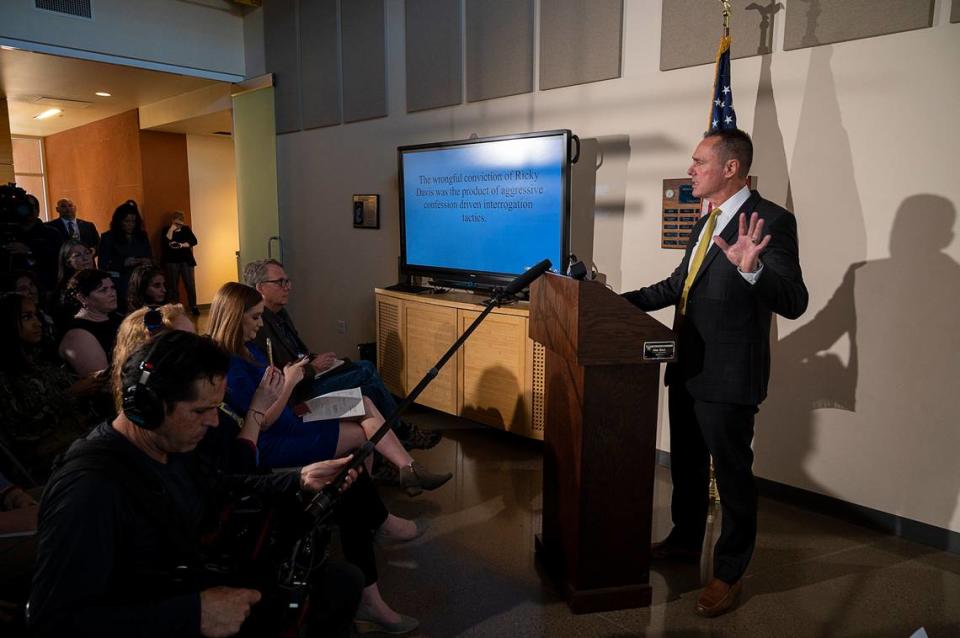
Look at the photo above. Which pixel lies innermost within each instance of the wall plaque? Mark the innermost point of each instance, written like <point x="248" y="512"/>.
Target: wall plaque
<point x="681" y="210"/>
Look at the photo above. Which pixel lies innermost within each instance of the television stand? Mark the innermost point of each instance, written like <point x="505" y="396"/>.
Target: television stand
<point x="496" y="378"/>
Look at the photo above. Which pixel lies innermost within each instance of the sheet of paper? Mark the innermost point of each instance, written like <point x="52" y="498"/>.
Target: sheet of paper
<point x="342" y="404"/>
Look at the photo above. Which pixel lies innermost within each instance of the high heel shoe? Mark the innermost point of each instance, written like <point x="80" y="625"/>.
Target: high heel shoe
<point x="383" y="537"/>
<point x="415" y="478"/>
<point x="366" y="623"/>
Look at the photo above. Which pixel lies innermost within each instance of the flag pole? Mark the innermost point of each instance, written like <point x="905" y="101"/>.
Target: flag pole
<point x="724" y="44"/>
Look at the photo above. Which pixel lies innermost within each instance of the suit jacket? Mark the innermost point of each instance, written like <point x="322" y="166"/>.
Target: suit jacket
<point x="724" y="337"/>
<point x="87" y="231"/>
<point x="284" y="339"/>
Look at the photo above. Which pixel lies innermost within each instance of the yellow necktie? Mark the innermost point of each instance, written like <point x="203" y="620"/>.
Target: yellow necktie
<point x="705" y="240"/>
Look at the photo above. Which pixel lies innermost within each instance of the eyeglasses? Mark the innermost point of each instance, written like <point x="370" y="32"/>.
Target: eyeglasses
<point x="283" y="283"/>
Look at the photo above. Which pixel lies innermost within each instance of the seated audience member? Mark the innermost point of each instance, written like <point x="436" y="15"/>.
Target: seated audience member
<point x="271" y="281"/>
<point x="231" y="447"/>
<point x="24" y="282"/>
<point x="235" y="319"/>
<point x="125" y="246"/>
<point x="88" y="338"/>
<point x="124" y="513"/>
<point x="178" y="242"/>
<point x="71" y="228"/>
<point x="140" y="326"/>
<point x="74" y="257"/>
<point x="147" y="287"/>
<point x="42" y="407"/>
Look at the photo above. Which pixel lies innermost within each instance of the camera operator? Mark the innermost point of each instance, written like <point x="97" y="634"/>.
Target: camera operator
<point x="127" y="507"/>
<point x="26" y="241"/>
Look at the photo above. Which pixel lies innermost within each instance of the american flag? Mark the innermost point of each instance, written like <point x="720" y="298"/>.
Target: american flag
<point x="722" y="114"/>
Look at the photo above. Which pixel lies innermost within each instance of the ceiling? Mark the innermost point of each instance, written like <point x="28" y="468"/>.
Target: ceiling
<point x="26" y="77"/>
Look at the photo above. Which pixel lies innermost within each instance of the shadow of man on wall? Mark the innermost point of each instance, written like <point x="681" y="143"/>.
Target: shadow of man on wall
<point x="899" y="381"/>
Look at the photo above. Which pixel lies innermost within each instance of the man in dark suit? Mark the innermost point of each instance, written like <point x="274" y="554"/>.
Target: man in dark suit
<point x="740" y="266"/>
<point x="70" y="227"/>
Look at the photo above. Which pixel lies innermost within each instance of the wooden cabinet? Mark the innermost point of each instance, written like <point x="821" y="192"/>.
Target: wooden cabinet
<point x="496" y="378"/>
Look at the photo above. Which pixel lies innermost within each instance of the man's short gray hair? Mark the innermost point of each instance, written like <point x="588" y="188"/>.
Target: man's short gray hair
<point x="255" y="272"/>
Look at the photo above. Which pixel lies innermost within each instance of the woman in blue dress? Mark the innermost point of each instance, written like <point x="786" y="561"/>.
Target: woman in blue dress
<point x="285" y="440"/>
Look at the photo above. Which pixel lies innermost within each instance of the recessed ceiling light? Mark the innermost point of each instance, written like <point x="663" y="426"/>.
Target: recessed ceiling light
<point x="103" y="94"/>
<point x="47" y="113"/>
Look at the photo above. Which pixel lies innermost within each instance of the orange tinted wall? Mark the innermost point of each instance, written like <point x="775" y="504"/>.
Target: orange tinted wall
<point x="104" y="163"/>
<point x="97" y="166"/>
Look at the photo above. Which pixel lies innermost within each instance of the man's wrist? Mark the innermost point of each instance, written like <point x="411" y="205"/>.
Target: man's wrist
<point x="751" y="276"/>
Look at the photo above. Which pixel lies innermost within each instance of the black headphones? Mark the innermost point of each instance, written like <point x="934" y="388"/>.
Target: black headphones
<point x="140" y="403"/>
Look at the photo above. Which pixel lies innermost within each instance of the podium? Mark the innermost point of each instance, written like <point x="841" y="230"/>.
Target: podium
<point x="601" y="393"/>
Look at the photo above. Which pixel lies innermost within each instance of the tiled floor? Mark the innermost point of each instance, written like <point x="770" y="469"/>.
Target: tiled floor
<point x="473" y="573"/>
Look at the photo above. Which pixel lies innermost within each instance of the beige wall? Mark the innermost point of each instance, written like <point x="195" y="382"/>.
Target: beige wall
<point x="213" y="200"/>
<point x="203" y="37"/>
<point x="858" y="138"/>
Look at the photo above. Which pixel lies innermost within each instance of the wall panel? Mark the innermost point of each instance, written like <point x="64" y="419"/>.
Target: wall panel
<point x="281" y="52"/>
<point x="434" y="54"/>
<point x="828" y="21"/>
<point x="364" y="61"/>
<point x="319" y="63"/>
<point x="499" y="48"/>
<point x="580" y="41"/>
<point x="691" y="30"/>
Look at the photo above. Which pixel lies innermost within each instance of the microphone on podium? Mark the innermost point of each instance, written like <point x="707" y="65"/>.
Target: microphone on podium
<point x="524" y="280"/>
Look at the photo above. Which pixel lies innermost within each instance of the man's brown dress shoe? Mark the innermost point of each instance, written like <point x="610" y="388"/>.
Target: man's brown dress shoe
<point x="665" y="550"/>
<point x="718" y="598"/>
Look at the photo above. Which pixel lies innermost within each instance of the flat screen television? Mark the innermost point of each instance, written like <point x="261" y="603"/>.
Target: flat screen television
<point x="476" y="213"/>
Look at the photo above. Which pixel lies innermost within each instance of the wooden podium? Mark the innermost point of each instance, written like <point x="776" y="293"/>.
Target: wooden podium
<point x="601" y="393"/>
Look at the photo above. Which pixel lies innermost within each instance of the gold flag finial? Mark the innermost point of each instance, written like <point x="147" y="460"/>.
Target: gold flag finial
<point x="726" y="16"/>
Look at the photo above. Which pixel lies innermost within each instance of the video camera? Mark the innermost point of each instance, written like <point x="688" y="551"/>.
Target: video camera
<point x="15" y="209"/>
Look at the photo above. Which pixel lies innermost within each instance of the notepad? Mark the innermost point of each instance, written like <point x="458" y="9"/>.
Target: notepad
<point x="333" y="366"/>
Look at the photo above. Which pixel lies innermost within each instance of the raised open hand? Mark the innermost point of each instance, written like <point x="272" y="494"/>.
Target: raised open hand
<point x="745" y="252"/>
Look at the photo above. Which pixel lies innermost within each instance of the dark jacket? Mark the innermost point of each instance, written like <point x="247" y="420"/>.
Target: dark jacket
<point x="724" y="337"/>
<point x="113" y="526"/>
<point x="178" y="255"/>
<point x="284" y="339"/>
<point x="114" y="250"/>
<point x="87" y="231"/>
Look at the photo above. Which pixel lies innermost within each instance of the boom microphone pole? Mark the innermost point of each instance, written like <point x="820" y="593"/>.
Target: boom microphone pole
<point x="322" y="504"/>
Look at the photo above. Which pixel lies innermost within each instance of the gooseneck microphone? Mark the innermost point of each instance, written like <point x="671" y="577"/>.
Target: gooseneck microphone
<point x="524" y="280"/>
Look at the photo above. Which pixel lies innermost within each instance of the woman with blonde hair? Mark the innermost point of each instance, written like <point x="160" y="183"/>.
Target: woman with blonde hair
<point x="139" y="326"/>
<point x="235" y="319"/>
